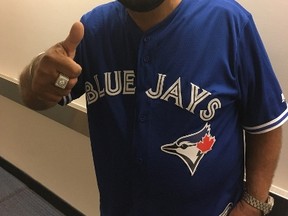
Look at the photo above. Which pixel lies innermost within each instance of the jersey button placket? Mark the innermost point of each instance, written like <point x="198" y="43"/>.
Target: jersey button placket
<point x="141" y="130"/>
<point x="147" y="57"/>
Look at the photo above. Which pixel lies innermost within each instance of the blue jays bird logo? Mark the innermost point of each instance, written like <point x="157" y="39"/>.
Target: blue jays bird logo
<point x="192" y="148"/>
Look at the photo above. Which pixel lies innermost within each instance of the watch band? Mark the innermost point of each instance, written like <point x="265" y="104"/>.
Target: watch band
<point x="265" y="207"/>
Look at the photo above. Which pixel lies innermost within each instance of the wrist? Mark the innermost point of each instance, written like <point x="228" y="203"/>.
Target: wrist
<point x="250" y="210"/>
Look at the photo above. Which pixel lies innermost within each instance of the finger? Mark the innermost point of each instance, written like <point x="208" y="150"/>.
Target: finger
<point x="53" y="64"/>
<point x="74" y="38"/>
<point x="53" y="93"/>
<point x="49" y="97"/>
<point x="69" y="68"/>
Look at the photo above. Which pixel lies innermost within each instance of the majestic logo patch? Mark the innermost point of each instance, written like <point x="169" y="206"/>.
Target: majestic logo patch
<point x="192" y="148"/>
<point x="283" y="98"/>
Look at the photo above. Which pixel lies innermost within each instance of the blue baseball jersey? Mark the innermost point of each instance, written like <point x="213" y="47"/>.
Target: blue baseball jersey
<point x="168" y="107"/>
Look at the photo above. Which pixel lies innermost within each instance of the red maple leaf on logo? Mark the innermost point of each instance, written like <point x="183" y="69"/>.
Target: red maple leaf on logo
<point x="206" y="144"/>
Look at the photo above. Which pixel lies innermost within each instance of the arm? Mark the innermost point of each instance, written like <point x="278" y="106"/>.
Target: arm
<point x="262" y="154"/>
<point x="37" y="81"/>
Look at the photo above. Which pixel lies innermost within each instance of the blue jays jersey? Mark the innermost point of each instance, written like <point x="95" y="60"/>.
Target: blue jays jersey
<point x="167" y="107"/>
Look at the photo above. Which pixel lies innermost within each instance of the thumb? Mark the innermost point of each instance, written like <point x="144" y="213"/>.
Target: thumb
<point x="74" y="38"/>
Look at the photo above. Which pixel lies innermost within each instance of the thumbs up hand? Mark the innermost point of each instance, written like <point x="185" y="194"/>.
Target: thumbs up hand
<point x="73" y="39"/>
<point x="54" y="73"/>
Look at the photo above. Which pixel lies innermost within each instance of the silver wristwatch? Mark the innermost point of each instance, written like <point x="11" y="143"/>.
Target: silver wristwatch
<point x="265" y="207"/>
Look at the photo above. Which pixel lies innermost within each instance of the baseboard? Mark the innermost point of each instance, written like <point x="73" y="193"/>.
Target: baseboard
<point x="279" y="192"/>
<point x="41" y="190"/>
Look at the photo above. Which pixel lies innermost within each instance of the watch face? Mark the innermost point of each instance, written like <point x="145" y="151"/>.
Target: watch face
<point x="269" y="205"/>
<point x="270" y="201"/>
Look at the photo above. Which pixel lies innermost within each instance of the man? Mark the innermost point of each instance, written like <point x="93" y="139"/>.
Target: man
<point x="170" y="86"/>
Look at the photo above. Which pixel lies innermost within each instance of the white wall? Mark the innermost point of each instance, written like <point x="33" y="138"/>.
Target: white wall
<point x="31" y="26"/>
<point x="54" y="155"/>
<point x="271" y="18"/>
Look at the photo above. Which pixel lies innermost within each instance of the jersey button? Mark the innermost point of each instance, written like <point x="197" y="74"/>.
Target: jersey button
<point x="146" y="59"/>
<point x="139" y="161"/>
<point x="142" y="118"/>
<point x="146" y="39"/>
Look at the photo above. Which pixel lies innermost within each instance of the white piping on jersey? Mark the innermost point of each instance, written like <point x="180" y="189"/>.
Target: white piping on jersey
<point x="70" y="98"/>
<point x="67" y="99"/>
<point x="64" y="100"/>
<point x="261" y="128"/>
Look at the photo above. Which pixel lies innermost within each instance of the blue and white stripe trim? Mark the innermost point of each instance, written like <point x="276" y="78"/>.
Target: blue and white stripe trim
<point x="269" y="126"/>
<point x="66" y="100"/>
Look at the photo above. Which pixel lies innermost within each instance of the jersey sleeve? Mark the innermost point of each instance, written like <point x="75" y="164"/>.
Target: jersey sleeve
<point x="262" y="103"/>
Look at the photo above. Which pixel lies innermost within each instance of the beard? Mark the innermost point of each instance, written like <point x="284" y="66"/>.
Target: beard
<point x="141" y="5"/>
